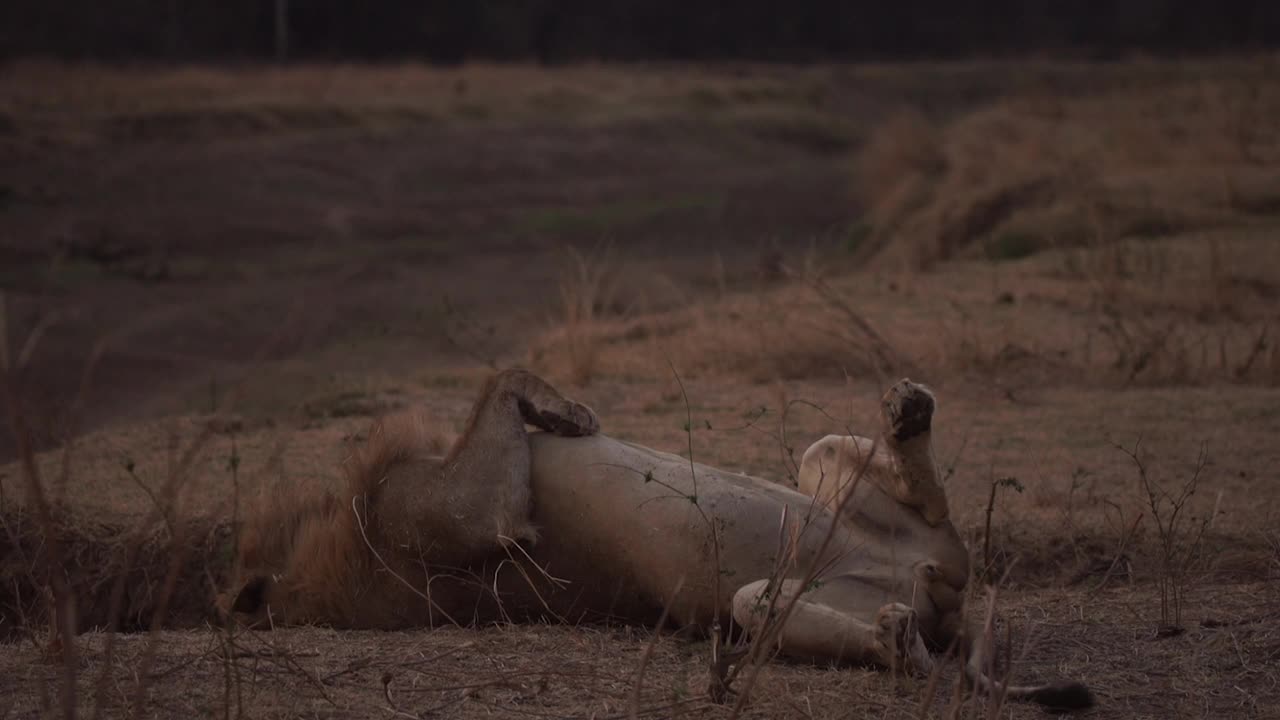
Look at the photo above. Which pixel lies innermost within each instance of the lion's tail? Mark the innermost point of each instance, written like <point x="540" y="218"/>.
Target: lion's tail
<point x="1060" y="695"/>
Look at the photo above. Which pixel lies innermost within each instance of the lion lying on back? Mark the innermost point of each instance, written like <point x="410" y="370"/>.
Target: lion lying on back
<point x="570" y="525"/>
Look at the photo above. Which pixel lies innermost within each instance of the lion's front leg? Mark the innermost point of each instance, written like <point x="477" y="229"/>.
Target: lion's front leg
<point x="900" y="462"/>
<point x="818" y="629"/>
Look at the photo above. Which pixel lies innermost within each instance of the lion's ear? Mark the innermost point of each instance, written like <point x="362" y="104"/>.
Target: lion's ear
<point x="252" y="596"/>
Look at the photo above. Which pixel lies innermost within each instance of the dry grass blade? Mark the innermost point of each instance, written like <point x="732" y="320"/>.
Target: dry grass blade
<point x="360" y="524"/>
<point x="583" y="292"/>
<point x="996" y="702"/>
<point x="633" y="702"/>
<point x="773" y="625"/>
<point x="887" y="359"/>
<point x="1115" y="562"/>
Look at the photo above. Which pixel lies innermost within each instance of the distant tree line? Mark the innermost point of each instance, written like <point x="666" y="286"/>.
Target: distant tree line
<point x="552" y="31"/>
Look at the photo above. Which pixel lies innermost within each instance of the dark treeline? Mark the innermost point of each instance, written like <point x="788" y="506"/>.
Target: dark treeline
<point x="566" y="30"/>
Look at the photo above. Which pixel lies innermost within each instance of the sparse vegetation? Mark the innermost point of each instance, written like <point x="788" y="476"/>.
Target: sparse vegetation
<point x="988" y="569"/>
<point x="1180" y="534"/>
<point x="584" y="298"/>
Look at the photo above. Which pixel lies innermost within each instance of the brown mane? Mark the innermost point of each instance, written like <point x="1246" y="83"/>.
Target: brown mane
<point x="315" y="548"/>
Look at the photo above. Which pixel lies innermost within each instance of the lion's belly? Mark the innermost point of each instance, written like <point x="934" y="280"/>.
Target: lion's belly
<point x="620" y="522"/>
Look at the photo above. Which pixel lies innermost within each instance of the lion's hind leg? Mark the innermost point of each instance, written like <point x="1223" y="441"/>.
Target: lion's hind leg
<point x="478" y="500"/>
<point x="820" y="631"/>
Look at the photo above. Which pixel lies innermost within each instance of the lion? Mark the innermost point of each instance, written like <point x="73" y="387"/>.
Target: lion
<point x="568" y="524"/>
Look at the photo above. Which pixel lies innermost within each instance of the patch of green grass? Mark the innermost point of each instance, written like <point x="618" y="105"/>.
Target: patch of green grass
<point x="765" y="95"/>
<point x="773" y="93"/>
<point x="1265" y="412"/>
<point x="447" y="382"/>
<point x="472" y="111"/>
<point x="856" y="236"/>
<point x="570" y="220"/>
<point x="706" y="99"/>
<point x="72" y="273"/>
<point x="561" y="102"/>
<point x="255" y="119"/>
<point x="347" y="403"/>
<point x="1149" y="226"/>
<point x="805" y="129"/>
<point x="1011" y="246"/>
<point x="1258" y="204"/>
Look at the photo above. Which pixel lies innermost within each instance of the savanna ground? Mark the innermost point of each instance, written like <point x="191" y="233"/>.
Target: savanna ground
<point x="214" y="278"/>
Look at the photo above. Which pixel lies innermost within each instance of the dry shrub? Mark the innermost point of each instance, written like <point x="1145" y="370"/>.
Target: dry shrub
<point x="579" y="293"/>
<point x="762" y="340"/>
<point x="896" y="172"/>
<point x="790" y="332"/>
<point x="1180" y="534"/>
<point x="601" y="302"/>
<point x="588" y="288"/>
<point x="1038" y="170"/>
<point x="931" y="192"/>
<point x="1165" y="321"/>
<point x="94" y="553"/>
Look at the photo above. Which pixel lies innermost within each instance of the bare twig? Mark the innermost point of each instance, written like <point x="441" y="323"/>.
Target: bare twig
<point x="633" y="707"/>
<point x="886" y="356"/>
<point x="1009" y="482"/>
<point x="1178" y="545"/>
<point x="1115" y="563"/>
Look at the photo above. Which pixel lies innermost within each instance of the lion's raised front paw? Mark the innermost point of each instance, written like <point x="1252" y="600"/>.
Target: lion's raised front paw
<point x="908" y="410"/>
<point x="898" y="640"/>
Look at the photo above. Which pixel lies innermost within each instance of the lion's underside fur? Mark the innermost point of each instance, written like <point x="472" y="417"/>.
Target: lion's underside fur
<point x="568" y="524"/>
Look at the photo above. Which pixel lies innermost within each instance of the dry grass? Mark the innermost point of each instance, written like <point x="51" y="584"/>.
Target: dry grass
<point x="584" y="298"/>
<point x="752" y="337"/>
<point x="95" y="550"/>
<point x="1133" y="220"/>
<point x="1226" y="661"/>
<point x="125" y="105"/>
<point x="1173" y="320"/>
<point x="1073" y="629"/>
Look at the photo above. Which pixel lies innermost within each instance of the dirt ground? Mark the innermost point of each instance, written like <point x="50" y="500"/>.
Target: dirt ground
<point x="257" y="263"/>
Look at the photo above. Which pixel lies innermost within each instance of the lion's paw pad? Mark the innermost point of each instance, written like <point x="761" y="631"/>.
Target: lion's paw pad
<point x="899" y="641"/>
<point x="908" y="409"/>
<point x="574" y="420"/>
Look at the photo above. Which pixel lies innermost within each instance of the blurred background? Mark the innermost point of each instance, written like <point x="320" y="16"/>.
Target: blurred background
<point x="551" y="31"/>
<point x="293" y="200"/>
